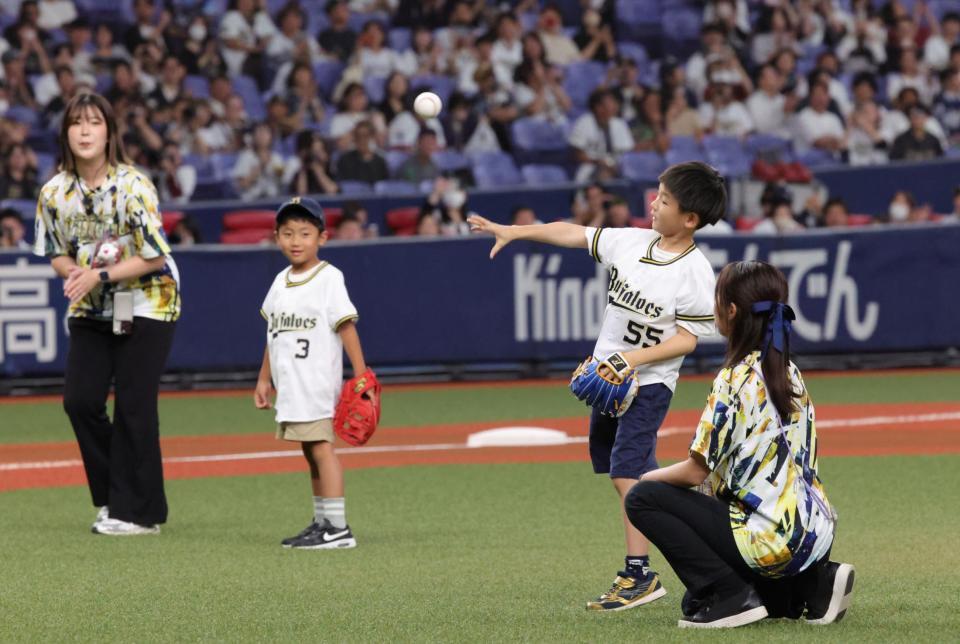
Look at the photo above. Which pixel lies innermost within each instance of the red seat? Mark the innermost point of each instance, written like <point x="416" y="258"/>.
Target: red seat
<point x="246" y="236"/>
<point x="403" y="218"/>
<point x="409" y="231"/>
<point x="250" y="219"/>
<point x="170" y="220"/>
<point x="333" y="217"/>
<point x="748" y="223"/>
<point x="641" y="222"/>
<point x="859" y="220"/>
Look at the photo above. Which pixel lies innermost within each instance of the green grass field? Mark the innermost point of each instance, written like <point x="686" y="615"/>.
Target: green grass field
<point x="447" y="553"/>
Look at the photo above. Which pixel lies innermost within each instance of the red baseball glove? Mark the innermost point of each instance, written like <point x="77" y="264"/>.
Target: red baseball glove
<point x="358" y="411"/>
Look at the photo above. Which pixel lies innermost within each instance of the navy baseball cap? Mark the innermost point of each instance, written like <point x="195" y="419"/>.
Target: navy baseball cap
<point x="303" y="207"/>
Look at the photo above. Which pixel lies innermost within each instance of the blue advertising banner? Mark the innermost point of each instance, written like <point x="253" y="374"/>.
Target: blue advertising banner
<point x="443" y="301"/>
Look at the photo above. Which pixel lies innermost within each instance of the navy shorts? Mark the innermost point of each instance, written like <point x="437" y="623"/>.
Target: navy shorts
<point x="626" y="447"/>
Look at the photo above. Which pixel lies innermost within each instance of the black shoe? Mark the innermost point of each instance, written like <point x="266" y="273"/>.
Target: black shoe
<point x="739" y="610"/>
<point x="834" y="589"/>
<point x="689" y="605"/>
<point x="326" y="538"/>
<point x="314" y="526"/>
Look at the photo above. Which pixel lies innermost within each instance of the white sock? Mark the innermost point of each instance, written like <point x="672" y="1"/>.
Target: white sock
<point x="318" y="514"/>
<point x="335" y="511"/>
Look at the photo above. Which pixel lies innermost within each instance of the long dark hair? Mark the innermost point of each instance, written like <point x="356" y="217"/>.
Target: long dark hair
<point x="743" y="284"/>
<point x="76" y="106"/>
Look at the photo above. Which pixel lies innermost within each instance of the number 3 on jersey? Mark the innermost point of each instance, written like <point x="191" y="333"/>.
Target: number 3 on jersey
<point x="637" y="332"/>
<point x="304" y="349"/>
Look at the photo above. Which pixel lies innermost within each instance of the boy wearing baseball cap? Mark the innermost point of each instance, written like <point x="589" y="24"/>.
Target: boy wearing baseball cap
<point x="310" y="323"/>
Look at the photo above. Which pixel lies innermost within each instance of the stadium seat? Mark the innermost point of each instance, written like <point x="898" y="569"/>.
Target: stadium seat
<point x="493" y="176"/>
<point x="675" y="156"/>
<point x="642" y="166"/>
<point x="816" y="158"/>
<point x="223" y="163"/>
<point x="328" y="74"/>
<point x="170" y="219"/>
<point x="767" y="146"/>
<point x="197" y="86"/>
<point x="246" y="88"/>
<point x="747" y="223"/>
<point x="395" y="159"/>
<point x="376" y="88"/>
<point x="536" y="174"/>
<point x="332" y="216"/>
<point x="537" y="134"/>
<point x="687" y="144"/>
<point x="214" y="190"/>
<point x="681" y="27"/>
<point x="727" y="155"/>
<point x="634" y="51"/>
<point x="859" y="220"/>
<point x="581" y="78"/>
<point x="400" y="39"/>
<point x="249" y="219"/>
<point x="355" y="188"/>
<point x="246" y="236"/>
<point x="403" y="219"/>
<point x="641" y="222"/>
<point x="450" y="160"/>
<point x="394" y="187"/>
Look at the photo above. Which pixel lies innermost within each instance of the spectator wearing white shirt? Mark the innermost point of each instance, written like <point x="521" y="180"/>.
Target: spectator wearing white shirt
<point x="946" y="107"/>
<point x="899" y="119"/>
<point x="425" y="55"/>
<point x="936" y="50"/>
<point x="374" y="58"/>
<point x="560" y="48"/>
<point x="599" y="137"/>
<point x="828" y="68"/>
<point x="54" y="14"/>
<point x="867" y="143"/>
<point x="291" y="43"/>
<point x="773" y="33"/>
<point x="722" y="114"/>
<point x="469" y="60"/>
<point x="538" y="92"/>
<point x="245" y="33"/>
<point x="817" y="127"/>
<point x="507" y="51"/>
<point x="769" y="108"/>
<point x="911" y="74"/>
<point x="176" y="180"/>
<point x="260" y="173"/>
<point x="353" y="108"/>
<point x="713" y="43"/>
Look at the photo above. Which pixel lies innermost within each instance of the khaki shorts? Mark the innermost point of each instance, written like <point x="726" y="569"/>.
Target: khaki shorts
<point x="311" y="431"/>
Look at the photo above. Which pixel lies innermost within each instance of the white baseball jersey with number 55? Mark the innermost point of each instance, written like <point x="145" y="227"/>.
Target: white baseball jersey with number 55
<point x="303" y="314"/>
<point x="651" y="292"/>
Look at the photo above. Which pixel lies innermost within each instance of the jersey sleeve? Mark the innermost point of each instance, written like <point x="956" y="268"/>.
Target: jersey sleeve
<point x="695" y="303"/>
<point x="143" y="209"/>
<point x="48" y="237"/>
<point x="605" y="245"/>
<point x="339" y="307"/>
<point x="714" y="438"/>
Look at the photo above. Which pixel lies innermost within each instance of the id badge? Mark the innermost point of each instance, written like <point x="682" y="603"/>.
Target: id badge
<point x="123" y="312"/>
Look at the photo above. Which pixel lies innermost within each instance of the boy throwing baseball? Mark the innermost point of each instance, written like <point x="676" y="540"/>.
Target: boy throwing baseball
<point x="660" y="300"/>
<point x="310" y="322"/>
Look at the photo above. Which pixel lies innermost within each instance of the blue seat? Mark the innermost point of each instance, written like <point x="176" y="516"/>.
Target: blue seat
<point x="815" y="158"/>
<point x="633" y="50"/>
<point x="395" y="187"/>
<point x="674" y="156"/>
<point x="536" y="134"/>
<point x="222" y="164"/>
<point x="246" y="88"/>
<point x="536" y="174"/>
<point x="26" y="207"/>
<point x="395" y="159"/>
<point x="214" y="190"/>
<point x="376" y="88"/>
<point x="355" y="188"/>
<point x="494" y="169"/>
<point x="198" y="86"/>
<point x="451" y="160"/>
<point x="686" y="144"/>
<point x="681" y="24"/>
<point x="399" y="39"/>
<point x="581" y="78"/>
<point x="768" y="146"/>
<point x="642" y="166"/>
<point x="638" y="12"/>
<point x="328" y="74"/>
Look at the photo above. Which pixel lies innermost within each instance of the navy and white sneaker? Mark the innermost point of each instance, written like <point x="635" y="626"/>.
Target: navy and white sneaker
<point x="313" y="527"/>
<point x="326" y="538"/>
<point x="834" y="591"/>
<point x="629" y="591"/>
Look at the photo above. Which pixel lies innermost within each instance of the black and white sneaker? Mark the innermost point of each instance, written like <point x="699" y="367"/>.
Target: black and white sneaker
<point x="103" y="513"/>
<point x="727" y="612"/>
<point x="326" y="538"/>
<point x="834" y="590"/>
<point x="313" y="527"/>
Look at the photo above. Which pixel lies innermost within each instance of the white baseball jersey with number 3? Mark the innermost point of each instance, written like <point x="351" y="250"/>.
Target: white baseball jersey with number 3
<point x="651" y="292"/>
<point x="303" y="314"/>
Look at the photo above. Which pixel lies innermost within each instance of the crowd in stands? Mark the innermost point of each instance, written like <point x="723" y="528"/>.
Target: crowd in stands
<point x="258" y="99"/>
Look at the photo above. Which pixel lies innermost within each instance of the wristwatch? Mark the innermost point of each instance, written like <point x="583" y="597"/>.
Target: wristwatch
<point x="104" y="277"/>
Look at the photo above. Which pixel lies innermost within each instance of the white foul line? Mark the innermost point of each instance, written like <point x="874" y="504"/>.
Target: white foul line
<point x="839" y="423"/>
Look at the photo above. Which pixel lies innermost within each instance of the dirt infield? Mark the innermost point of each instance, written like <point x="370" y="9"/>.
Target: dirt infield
<point x="845" y="430"/>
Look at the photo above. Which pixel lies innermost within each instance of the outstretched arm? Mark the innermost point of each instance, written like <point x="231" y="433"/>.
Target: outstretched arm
<point x="557" y="233"/>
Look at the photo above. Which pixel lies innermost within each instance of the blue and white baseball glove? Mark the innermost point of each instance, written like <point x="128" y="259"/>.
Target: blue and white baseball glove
<point x="610" y="392"/>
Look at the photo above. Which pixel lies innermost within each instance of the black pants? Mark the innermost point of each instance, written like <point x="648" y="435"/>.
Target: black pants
<point x="122" y="457"/>
<point x="693" y="532"/>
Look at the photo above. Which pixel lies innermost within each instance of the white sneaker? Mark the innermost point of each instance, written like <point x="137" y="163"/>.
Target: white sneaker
<point x="118" y="528"/>
<point x="103" y="513"/>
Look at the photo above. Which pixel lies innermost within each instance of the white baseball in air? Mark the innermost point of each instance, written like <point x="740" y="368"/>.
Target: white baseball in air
<point x="427" y="105"/>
